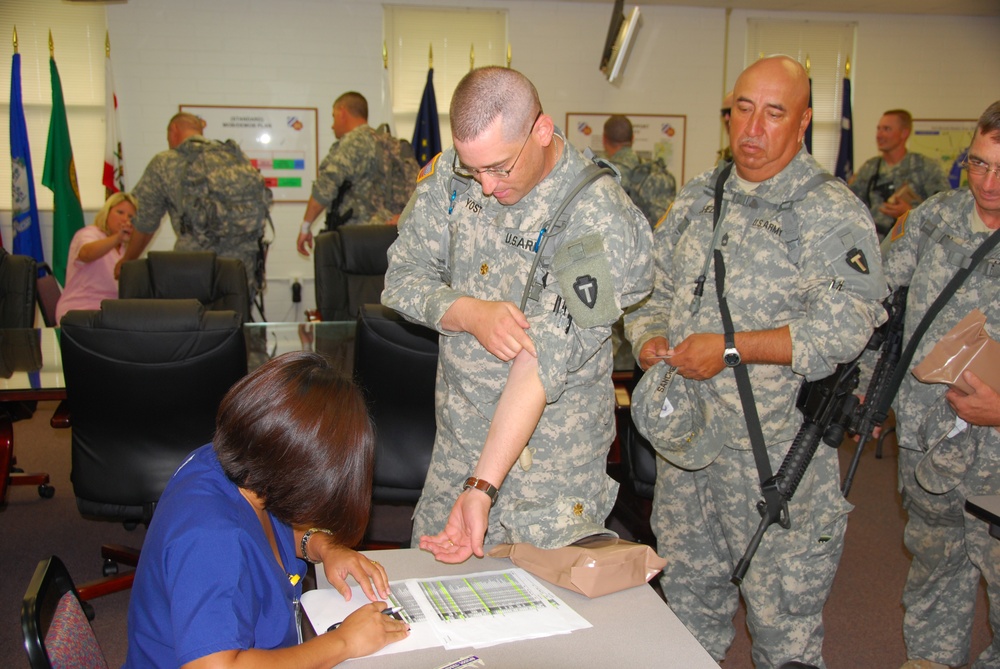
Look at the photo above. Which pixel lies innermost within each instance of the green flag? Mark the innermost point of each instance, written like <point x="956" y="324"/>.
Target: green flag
<point x="59" y="176"/>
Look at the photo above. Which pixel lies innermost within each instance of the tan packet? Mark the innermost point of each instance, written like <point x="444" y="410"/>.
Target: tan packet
<point x="966" y="346"/>
<point x="593" y="566"/>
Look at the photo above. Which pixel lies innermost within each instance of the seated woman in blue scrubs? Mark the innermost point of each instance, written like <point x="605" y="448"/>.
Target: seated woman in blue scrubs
<point x="286" y="480"/>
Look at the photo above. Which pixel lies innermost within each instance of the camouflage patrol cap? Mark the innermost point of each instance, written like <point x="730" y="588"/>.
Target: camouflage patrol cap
<point x="670" y="414"/>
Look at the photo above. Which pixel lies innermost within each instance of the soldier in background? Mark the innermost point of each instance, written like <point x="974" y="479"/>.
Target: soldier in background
<point x="949" y="445"/>
<point x="797" y="247"/>
<point x="524" y="400"/>
<point x="353" y="177"/>
<point x="726" y="152"/>
<point x="649" y="184"/>
<point x="216" y="199"/>
<point x="896" y="180"/>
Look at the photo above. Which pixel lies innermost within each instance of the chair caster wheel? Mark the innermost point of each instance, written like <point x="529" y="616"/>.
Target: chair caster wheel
<point x="46" y="491"/>
<point x="110" y="568"/>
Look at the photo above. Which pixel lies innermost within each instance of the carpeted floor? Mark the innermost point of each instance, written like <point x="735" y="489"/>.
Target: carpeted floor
<point x="863" y="616"/>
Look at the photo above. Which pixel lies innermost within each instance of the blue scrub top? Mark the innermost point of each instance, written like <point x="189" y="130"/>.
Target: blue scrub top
<point x="207" y="580"/>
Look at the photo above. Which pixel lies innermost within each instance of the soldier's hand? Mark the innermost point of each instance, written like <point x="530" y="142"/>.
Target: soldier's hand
<point x="894" y="209"/>
<point x="982" y="407"/>
<point x="653" y="351"/>
<point x="304" y="243"/>
<point x="499" y="326"/>
<point x="463" y="536"/>
<point x="699" y="357"/>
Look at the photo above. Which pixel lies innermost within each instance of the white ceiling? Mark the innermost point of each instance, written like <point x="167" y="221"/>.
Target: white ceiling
<point x="947" y="7"/>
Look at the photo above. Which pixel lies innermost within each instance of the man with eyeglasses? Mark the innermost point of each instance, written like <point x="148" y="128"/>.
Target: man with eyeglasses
<point x="524" y="399"/>
<point x="896" y="180"/>
<point x="949" y="440"/>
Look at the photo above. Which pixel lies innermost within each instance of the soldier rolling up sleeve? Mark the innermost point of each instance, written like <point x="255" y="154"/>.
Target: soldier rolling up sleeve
<point x="454" y="242"/>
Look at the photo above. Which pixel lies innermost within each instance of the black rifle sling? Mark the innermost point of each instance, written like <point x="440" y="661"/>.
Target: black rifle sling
<point x="774" y="506"/>
<point x="903" y="366"/>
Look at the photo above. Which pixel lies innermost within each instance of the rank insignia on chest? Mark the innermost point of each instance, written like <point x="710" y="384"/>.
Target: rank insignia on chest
<point x="484" y="269"/>
<point x="857" y="260"/>
<point x="585" y="288"/>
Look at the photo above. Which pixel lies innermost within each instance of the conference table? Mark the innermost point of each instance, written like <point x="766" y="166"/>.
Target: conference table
<point x="31" y="370"/>
<point x="631" y="628"/>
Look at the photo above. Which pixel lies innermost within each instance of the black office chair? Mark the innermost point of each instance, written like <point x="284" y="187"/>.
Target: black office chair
<point x="350" y="264"/>
<point x="636" y="476"/>
<point x="55" y="621"/>
<point x="219" y="283"/>
<point x="144" y="379"/>
<point x="395" y="364"/>
<point x="17" y="312"/>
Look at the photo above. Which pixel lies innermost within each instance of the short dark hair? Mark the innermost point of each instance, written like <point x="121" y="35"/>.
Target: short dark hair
<point x="353" y="102"/>
<point x="488" y="92"/>
<point x="904" y="116"/>
<point x="297" y="434"/>
<point x="618" y="129"/>
<point x="989" y="122"/>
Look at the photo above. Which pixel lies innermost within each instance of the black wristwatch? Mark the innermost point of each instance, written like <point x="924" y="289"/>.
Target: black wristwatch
<point x="731" y="356"/>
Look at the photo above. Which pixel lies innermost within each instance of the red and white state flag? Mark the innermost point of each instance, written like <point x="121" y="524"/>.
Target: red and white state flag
<point x="114" y="166"/>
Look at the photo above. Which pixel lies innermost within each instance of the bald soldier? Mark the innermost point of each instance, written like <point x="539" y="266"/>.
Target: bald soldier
<point x="803" y="283"/>
<point x="524" y="399"/>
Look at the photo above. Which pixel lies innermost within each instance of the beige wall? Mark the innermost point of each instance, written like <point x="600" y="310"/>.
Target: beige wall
<point x="305" y="52"/>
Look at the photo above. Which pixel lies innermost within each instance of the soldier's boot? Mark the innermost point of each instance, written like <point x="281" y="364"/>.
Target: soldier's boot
<point x="923" y="664"/>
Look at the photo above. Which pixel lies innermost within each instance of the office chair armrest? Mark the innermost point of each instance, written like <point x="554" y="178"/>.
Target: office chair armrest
<point x="61" y="417"/>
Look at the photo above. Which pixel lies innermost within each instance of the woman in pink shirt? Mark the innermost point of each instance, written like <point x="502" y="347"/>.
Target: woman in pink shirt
<point x="93" y="254"/>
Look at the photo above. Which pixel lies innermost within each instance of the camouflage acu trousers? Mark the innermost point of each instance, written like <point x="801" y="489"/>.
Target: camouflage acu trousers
<point x="950" y="549"/>
<point x="703" y="521"/>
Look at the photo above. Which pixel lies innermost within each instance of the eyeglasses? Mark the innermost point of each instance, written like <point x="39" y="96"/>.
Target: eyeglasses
<point x="980" y="168"/>
<point x="495" y="172"/>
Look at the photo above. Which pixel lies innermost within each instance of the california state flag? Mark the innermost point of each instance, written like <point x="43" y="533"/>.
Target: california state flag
<point x="114" y="166"/>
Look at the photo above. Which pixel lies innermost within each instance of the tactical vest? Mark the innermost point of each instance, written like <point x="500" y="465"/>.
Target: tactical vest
<point x="935" y="230"/>
<point x="790" y="221"/>
<point x="544" y="251"/>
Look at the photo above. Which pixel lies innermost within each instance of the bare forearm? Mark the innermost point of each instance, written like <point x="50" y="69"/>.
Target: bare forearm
<point x="97" y="249"/>
<point x="321" y="652"/>
<point x="517" y="414"/>
<point x="313" y="210"/>
<point x="137" y="243"/>
<point x="765" y="347"/>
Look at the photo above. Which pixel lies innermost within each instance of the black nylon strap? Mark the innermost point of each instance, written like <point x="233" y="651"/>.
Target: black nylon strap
<point x="750" y="414"/>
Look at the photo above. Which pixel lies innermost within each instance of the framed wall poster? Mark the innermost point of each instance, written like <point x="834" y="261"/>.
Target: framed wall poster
<point x="653" y="136"/>
<point x="944" y="140"/>
<point x="280" y="141"/>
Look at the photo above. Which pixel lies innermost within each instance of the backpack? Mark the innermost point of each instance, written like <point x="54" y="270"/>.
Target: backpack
<point x="401" y="169"/>
<point x="224" y="195"/>
<point x="652" y="188"/>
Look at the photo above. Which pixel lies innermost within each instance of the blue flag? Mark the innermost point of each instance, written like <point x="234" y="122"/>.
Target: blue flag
<point x="845" y="153"/>
<point x="809" y="128"/>
<point x="24" y="208"/>
<point x="427" y="133"/>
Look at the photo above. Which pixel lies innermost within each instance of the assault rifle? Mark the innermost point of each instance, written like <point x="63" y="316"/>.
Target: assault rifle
<point x="334" y="219"/>
<point x="872" y="413"/>
<point x="830" y="409"/>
